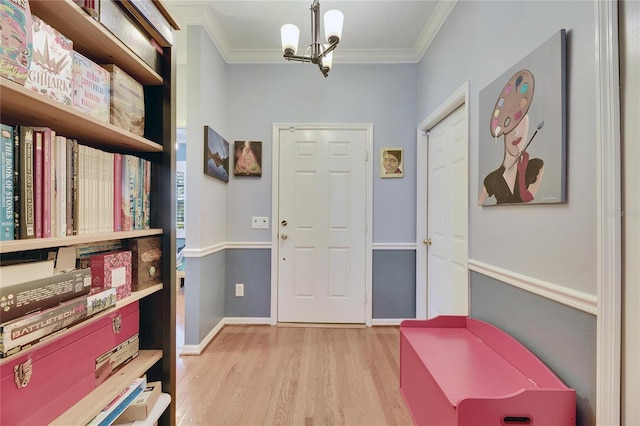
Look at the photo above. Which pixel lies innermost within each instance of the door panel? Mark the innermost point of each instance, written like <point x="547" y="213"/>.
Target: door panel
<point x="447" y="213"/>
<point x="322" y="211"/>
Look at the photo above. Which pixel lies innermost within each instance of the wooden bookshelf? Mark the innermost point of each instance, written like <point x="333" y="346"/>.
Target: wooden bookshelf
<point x="21" y="106"/>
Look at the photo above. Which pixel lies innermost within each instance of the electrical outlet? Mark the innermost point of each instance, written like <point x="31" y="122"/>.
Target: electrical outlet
<point x="239" y="290"/>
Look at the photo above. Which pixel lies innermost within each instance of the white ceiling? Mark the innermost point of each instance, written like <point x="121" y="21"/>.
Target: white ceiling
<point x="375" y="31"/>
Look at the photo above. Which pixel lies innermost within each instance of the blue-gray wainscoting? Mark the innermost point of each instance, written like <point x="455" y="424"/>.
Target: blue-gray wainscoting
<point x="394" y="284"/>
<point x="251" y="267"/>
<point x="204" y="299"/>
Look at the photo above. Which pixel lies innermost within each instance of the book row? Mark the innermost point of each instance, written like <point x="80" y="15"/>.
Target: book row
<point x="51" y="186"/>
<point x="43" y="60"/>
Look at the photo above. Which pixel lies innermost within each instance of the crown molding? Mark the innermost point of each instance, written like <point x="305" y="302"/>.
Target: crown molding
<point x="200" y="14"/>
<point x="440" y="15"/>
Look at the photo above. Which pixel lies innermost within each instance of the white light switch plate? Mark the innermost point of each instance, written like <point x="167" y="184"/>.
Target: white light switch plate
<point x="259" y="222"/>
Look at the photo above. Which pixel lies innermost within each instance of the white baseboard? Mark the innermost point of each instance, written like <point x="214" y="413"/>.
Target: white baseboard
<point x="198" y="349"/>
<point x="190" y="350"/>
<point x="247" y="321"/>
<point x="387" y="321"/>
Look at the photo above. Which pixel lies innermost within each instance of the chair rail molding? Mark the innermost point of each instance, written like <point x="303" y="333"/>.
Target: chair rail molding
<point x="576" y="299"/>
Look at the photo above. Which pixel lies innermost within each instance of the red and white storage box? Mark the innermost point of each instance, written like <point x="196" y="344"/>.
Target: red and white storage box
<point x="112" y="270"/>
<point x="38" y="385"/>
<point x="455" y="370"/>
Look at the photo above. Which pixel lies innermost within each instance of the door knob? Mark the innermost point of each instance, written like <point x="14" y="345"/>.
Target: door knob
<point x="426" y="242"/>
<point x="283" y="236"/>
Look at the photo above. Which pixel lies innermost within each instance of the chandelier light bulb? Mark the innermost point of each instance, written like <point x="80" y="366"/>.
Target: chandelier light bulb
<point x="327" y="60"/>
<point x="290" y="35"/>
<point x="333" y="21"/>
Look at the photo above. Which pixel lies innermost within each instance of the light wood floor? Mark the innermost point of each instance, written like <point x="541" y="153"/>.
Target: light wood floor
<point x="262" y="375"/>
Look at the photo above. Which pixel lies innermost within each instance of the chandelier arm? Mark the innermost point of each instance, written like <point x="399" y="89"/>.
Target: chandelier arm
<point x="328" y="50"/>
<point x="298" y="58"/>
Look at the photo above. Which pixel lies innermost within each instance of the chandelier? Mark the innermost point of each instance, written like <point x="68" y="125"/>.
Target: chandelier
<point x="317" y="52"/>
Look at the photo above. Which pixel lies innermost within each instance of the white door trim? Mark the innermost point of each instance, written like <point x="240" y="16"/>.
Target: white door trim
<point x="275" y="202"/>
<point x="630" y="76"/>
<point x="459" y="98"/>
<point x="609" y="246"/>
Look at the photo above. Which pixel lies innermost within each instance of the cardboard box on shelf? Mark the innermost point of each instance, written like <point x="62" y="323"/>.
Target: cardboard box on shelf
<point x="143" y="404"/>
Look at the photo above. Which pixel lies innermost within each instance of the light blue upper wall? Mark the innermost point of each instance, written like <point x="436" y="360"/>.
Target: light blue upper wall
<point x="384" y="95"/>
<point x="478" y="42"/>
<point x="206" y="75"/>
<point x="206" y="106"/>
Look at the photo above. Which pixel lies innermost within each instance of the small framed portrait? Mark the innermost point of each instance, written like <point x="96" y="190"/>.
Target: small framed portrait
<point x="216" y="155"/>
<point x="248" y="158"/>
<point x="391" y="162"/>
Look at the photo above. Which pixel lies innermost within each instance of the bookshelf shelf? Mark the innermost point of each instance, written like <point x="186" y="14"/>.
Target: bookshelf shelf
<point x="93" y="40"/>
<point x="92" y="404"/>
<point x="33" y="109"/>
<point x="40" y="243"/>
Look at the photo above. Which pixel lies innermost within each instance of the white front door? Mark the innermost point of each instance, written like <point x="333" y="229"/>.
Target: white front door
<point x="447" y="228"/>
<point x="321" y="225"/>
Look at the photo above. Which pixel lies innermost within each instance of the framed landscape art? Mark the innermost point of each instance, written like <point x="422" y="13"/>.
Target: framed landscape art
<point x="216" y="155"/>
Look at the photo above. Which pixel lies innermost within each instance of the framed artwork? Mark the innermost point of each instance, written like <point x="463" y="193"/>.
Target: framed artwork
<point x="216" y="155"/>
<point x="522" y="131"/>
<point x="391" y="162"/>
<point x="247" y="158"/>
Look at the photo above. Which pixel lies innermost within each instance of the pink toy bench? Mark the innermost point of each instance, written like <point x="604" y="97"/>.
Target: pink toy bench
<point x="456" y="370"/>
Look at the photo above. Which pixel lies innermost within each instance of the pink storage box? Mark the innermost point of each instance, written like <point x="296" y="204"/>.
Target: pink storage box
<point x="112" y="270"/>
<point x="456" y="370"/>
<point x="61" y="372"/>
